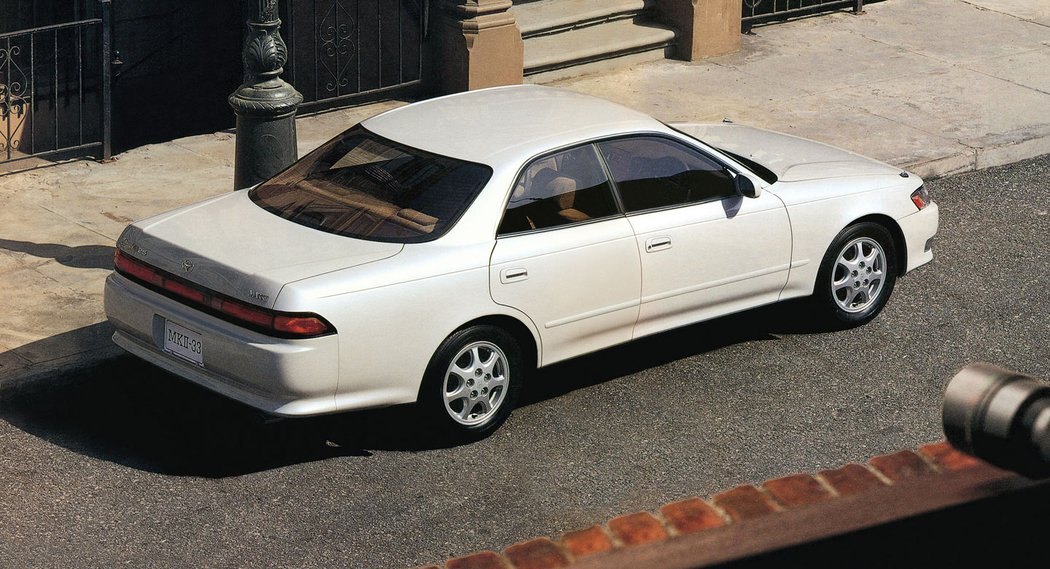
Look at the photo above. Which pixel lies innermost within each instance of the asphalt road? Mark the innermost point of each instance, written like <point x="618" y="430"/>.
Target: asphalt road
<point x="125" y="465"/>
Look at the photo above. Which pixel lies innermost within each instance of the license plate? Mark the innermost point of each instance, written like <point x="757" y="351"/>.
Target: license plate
<point x="183" y="343"/>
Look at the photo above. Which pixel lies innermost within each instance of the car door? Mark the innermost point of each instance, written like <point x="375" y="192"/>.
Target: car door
<point x="566" y="256"/>
<point x="705" y="249"/>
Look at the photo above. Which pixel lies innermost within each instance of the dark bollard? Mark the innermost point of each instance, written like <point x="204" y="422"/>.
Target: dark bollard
<point x="265" y="104"/>
<point x="1001" y="417"/>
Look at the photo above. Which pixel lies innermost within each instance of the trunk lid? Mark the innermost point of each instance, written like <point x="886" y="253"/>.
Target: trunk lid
<point x="231" y="246"/>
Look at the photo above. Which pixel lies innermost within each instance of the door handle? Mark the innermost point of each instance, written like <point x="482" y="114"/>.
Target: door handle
<point x="657" y="244"/>
<point x="513" y="275"/>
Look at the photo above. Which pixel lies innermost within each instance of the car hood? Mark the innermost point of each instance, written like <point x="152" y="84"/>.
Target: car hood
<point x="791" y="158"/>
<point x="232" y="246"/>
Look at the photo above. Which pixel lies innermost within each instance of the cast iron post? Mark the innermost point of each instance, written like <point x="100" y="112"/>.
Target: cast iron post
<point x="107" y="80"/>
<point x="265" y="104"/>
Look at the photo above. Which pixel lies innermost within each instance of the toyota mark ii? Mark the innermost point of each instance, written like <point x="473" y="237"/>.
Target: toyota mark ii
<point x="438" y="252"/>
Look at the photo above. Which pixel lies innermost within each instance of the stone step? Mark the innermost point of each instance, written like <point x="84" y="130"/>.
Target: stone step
<point x="553" y="16"/>
<point x="595" y="43"/>
<point x="601" y="66"/>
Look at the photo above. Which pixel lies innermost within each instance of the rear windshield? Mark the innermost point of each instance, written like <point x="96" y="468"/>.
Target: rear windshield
<point x="364" y="186"/>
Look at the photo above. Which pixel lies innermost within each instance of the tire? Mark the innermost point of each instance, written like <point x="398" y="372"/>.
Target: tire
<point x="472" y="382"/>
<point x="857" y="275"/>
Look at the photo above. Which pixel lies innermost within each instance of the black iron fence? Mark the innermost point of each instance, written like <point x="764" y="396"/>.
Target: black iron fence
<point x="55" y="89"/>
<point x="342" y="50"/>
<point x="763" y="11"/>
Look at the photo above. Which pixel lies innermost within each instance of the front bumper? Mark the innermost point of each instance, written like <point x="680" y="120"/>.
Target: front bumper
<point x="275" y="375"/>
<point x="919" y="229"/>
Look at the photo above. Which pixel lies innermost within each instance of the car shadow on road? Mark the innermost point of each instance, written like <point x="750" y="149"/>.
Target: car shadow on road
<point x="760" y="324"/>
<point x="128" y="412"/>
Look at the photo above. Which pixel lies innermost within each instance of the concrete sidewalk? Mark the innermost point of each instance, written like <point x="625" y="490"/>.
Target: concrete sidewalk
<point x="938" y="87"/>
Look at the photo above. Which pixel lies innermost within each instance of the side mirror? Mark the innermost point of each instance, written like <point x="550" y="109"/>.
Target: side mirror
<point x="745" y="187"/>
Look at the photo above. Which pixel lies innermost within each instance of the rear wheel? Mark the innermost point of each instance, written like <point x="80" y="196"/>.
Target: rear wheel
<point x="472" y="382"/>
<point x="857" y="274"/>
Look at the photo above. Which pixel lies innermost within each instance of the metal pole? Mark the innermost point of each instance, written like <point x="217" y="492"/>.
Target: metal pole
<point x="54" y="101"/>
<point x="265" y="104"/>
<point x="8" y="112"/>
<point x="858" y="6"/>
<point x="107" y="81"/>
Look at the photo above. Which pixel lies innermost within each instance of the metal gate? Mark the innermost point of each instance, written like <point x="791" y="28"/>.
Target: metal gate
<point x="342" y="50"/>
<point x="55" y="89"/>
<point x="762" y="11"/>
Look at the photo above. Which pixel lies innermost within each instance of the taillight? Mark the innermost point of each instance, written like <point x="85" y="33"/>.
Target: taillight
<point x="300" y="325"/>
<point x="271" y="322"/>
<point x="131" y="267"/>
<point x="920" y="198"/>
<point x="242" y="312"/>
<point x="187" y="292"/>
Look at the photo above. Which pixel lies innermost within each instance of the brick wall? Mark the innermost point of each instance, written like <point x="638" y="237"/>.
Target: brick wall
<point x="694" y="515"/>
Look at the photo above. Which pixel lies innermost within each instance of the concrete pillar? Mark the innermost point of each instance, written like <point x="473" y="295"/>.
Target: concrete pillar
<point x="706" y="27"/>
<point x="476" y="44"/>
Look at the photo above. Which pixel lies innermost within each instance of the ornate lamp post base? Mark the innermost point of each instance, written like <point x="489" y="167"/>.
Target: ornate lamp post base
<point x="265" y="104"/>
<point x="266" y="142"/>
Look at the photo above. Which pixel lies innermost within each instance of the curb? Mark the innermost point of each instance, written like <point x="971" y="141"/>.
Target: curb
<point x="980" y="158"/>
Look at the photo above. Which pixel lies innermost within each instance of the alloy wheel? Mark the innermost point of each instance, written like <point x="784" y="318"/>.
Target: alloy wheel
<point x="859" y="274"/>
<point x="476" y="383"/>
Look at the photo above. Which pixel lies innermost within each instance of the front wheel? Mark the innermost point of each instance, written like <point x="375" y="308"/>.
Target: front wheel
<point x="472" y="382"/>
<point x="857" y="274"/>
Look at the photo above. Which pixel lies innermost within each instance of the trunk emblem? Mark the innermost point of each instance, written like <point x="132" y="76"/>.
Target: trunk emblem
<point x="134" y="247"/>
<point x="258" y="295"/>
<point x="187" y="266"/>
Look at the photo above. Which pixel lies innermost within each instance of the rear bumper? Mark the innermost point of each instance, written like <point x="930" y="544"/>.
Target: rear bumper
<point x="919" y="229"/>
<point x="278" y="376"/>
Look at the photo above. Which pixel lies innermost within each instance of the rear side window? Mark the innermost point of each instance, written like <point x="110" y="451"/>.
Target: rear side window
<point x="653" y="172"/>
<point x="560" y="189"/>
<point x="363" y="186"/>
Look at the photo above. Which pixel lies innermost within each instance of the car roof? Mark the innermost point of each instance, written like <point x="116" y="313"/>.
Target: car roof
<point x="506" y="125"/>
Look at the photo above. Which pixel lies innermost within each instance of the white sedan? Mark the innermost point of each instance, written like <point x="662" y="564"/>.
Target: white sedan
<point x="438" y="252"/>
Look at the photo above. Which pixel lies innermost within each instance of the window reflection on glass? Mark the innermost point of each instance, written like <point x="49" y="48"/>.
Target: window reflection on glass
<point x="563" y="188"/>
<point x="360" y="185"/>
<point x="653" y="172"/>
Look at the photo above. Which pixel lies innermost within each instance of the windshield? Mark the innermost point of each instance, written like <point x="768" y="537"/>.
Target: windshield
<point x="364" y="186"/>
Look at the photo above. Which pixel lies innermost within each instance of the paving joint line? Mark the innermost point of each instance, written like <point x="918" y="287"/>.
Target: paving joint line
<point x="14" y="352"/>
<point x="922" y="130"/>
<point x="69" y="356"/>
<point x="1014" y="16"/>
<point x="208" y="157"/>
<point x="72" y="291"/>
<point x="953" y="64"/>
<point x="79" y="224"/>
<point x="1010" y="81"/>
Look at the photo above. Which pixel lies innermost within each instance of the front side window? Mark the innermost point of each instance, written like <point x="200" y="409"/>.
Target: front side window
<point x="652" y="172"/>
<point x="559" y="189"/>
<point x="363" y="186"/>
